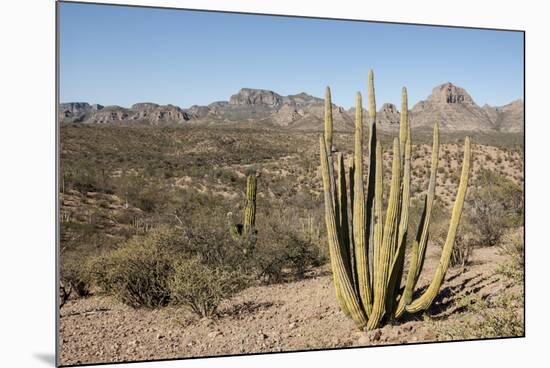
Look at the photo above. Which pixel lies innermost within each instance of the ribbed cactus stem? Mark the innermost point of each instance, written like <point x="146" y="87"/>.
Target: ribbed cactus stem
<point x="381" y="278"/>
<point x="426" y="299"/>
<point x="250" y="208"/>
<point x="396" y="272"/>
<point x="343" y="225"/>
<point x="403" y="122"/>
<point x="351" y="179"/>
<point x="341" y="280"/>
<point x="359" y="223"/>
<point x="378" y="230"/>
<point x="418" y="251"/>
<point x="430" y="197"/>
<point x="372" y="98"/>
<point x="370" y="189"/>
<point x="367" y="251"/>
<point x="328" y="119"/>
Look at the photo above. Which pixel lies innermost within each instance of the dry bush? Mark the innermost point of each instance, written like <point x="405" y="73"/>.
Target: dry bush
<point x="464" y="244"/>
<point x="500" y="316"/>
<point x="138" y="272"/>
<point x="513" y="248"/>
<point x="287" y="248"/>
<point x="201" y="287"/>
<point x="75" y="278"/>
<point x="494" y="204"/>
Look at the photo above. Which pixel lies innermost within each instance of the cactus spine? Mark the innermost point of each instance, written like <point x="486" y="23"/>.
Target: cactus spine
<point x="367" y="252"/>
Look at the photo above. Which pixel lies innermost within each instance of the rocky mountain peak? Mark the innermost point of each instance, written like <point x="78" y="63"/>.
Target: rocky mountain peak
<point x="448" y="104"/>
<point x="144" y="106"/>
<point x="448" y="93"/>
<point x="389" y="108"/>
<point x="388" y="114"/>
<point x="251" y="96"/>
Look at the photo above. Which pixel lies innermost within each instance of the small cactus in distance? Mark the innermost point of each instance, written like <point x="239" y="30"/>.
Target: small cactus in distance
<point x="247" y="227"/>
<point x="367" y="251"/>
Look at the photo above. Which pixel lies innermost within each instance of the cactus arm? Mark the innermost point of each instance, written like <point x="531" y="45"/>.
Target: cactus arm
<point x="359" y="222"/>
<point x="377" y="205"/>
<point x="250" y="209"/>
<point x="409" y="283"/>
<point x="351" y="178"/>
<point x="426" y="299"/>
<point x="341" y="280"/>
<point x="343" y="226"/>
<point x="384" y="255"/>
<point x="424" y="226"/>
<point x="396" y="270"/>
<point x="406" y="196"/>
<point x="371" y="181"/>
<point x="374" y="168"/>
<point x="372" y="97"/>
<point x="328" y="120"/>
<point x="397" y="247"/>
<point x="329" y="146"/>
<point x="419" y="246"/>
<point x="403" y="123"/>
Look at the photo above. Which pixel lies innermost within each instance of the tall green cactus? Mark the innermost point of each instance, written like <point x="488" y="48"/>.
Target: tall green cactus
<point x="367" y="251"/>
<point x="249" y="216"/>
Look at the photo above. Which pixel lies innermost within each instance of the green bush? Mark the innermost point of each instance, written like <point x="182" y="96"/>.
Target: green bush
<point x="500" y="316"/>
<point x="464" y="244"/>
<point x="494" y="203"/>
<point x="513" y="248"/>
<point x="74" y="278"/>
<point x="201" y="287"/>
<point x="138" y="272"/>
<point x="208" y="236"/>
<point x="283" y="252"/>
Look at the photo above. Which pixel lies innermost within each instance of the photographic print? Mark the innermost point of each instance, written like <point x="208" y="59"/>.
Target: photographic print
<point x="235" y="183"/>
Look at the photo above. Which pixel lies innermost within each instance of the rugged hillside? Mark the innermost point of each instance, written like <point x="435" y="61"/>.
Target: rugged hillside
<point x="146" y="112"/>
<point x="507" y="118"/>
<point x="451" y="105"/>
<point x="455" y="109"/>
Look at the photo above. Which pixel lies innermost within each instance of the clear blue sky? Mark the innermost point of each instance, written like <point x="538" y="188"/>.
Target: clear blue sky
<point x="122" y="55"/>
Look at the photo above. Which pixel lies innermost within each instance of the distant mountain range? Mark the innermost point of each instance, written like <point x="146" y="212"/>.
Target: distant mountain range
<point x="449" y="104"/>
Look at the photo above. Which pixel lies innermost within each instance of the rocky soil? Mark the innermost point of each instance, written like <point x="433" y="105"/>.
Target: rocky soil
<point x="284" y="317"/>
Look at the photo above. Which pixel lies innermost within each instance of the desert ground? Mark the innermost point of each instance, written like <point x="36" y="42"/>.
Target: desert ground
<point x="119" y="184"/>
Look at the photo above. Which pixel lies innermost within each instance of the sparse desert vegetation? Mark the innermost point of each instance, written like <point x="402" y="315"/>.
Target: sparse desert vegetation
<point x="150" y="204"/>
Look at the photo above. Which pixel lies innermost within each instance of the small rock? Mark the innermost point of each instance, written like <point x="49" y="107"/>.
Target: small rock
<point x="363" y="339"/>
<point x="160" y="336"/>
<point x="376" y="335"/>
<point x="213" y="334"/>
<point x="292" y="325"/>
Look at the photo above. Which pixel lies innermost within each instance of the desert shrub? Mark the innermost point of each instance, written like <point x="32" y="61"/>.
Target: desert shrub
<point x="464" y="244"/>
<point x="75" y="278"/>
<point x="439" y="223"/>
<point x="201" y="287"/>
<point x="494" y="204"/>
<point x="139" y="271"/>
<point x="513" y="248"/>
<point x="86" y="178"/>
<point x="284" y="252"/>
<point x="64" y="293"/>
<point x="207" y="235"/>
<point x="500" y="316"/>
